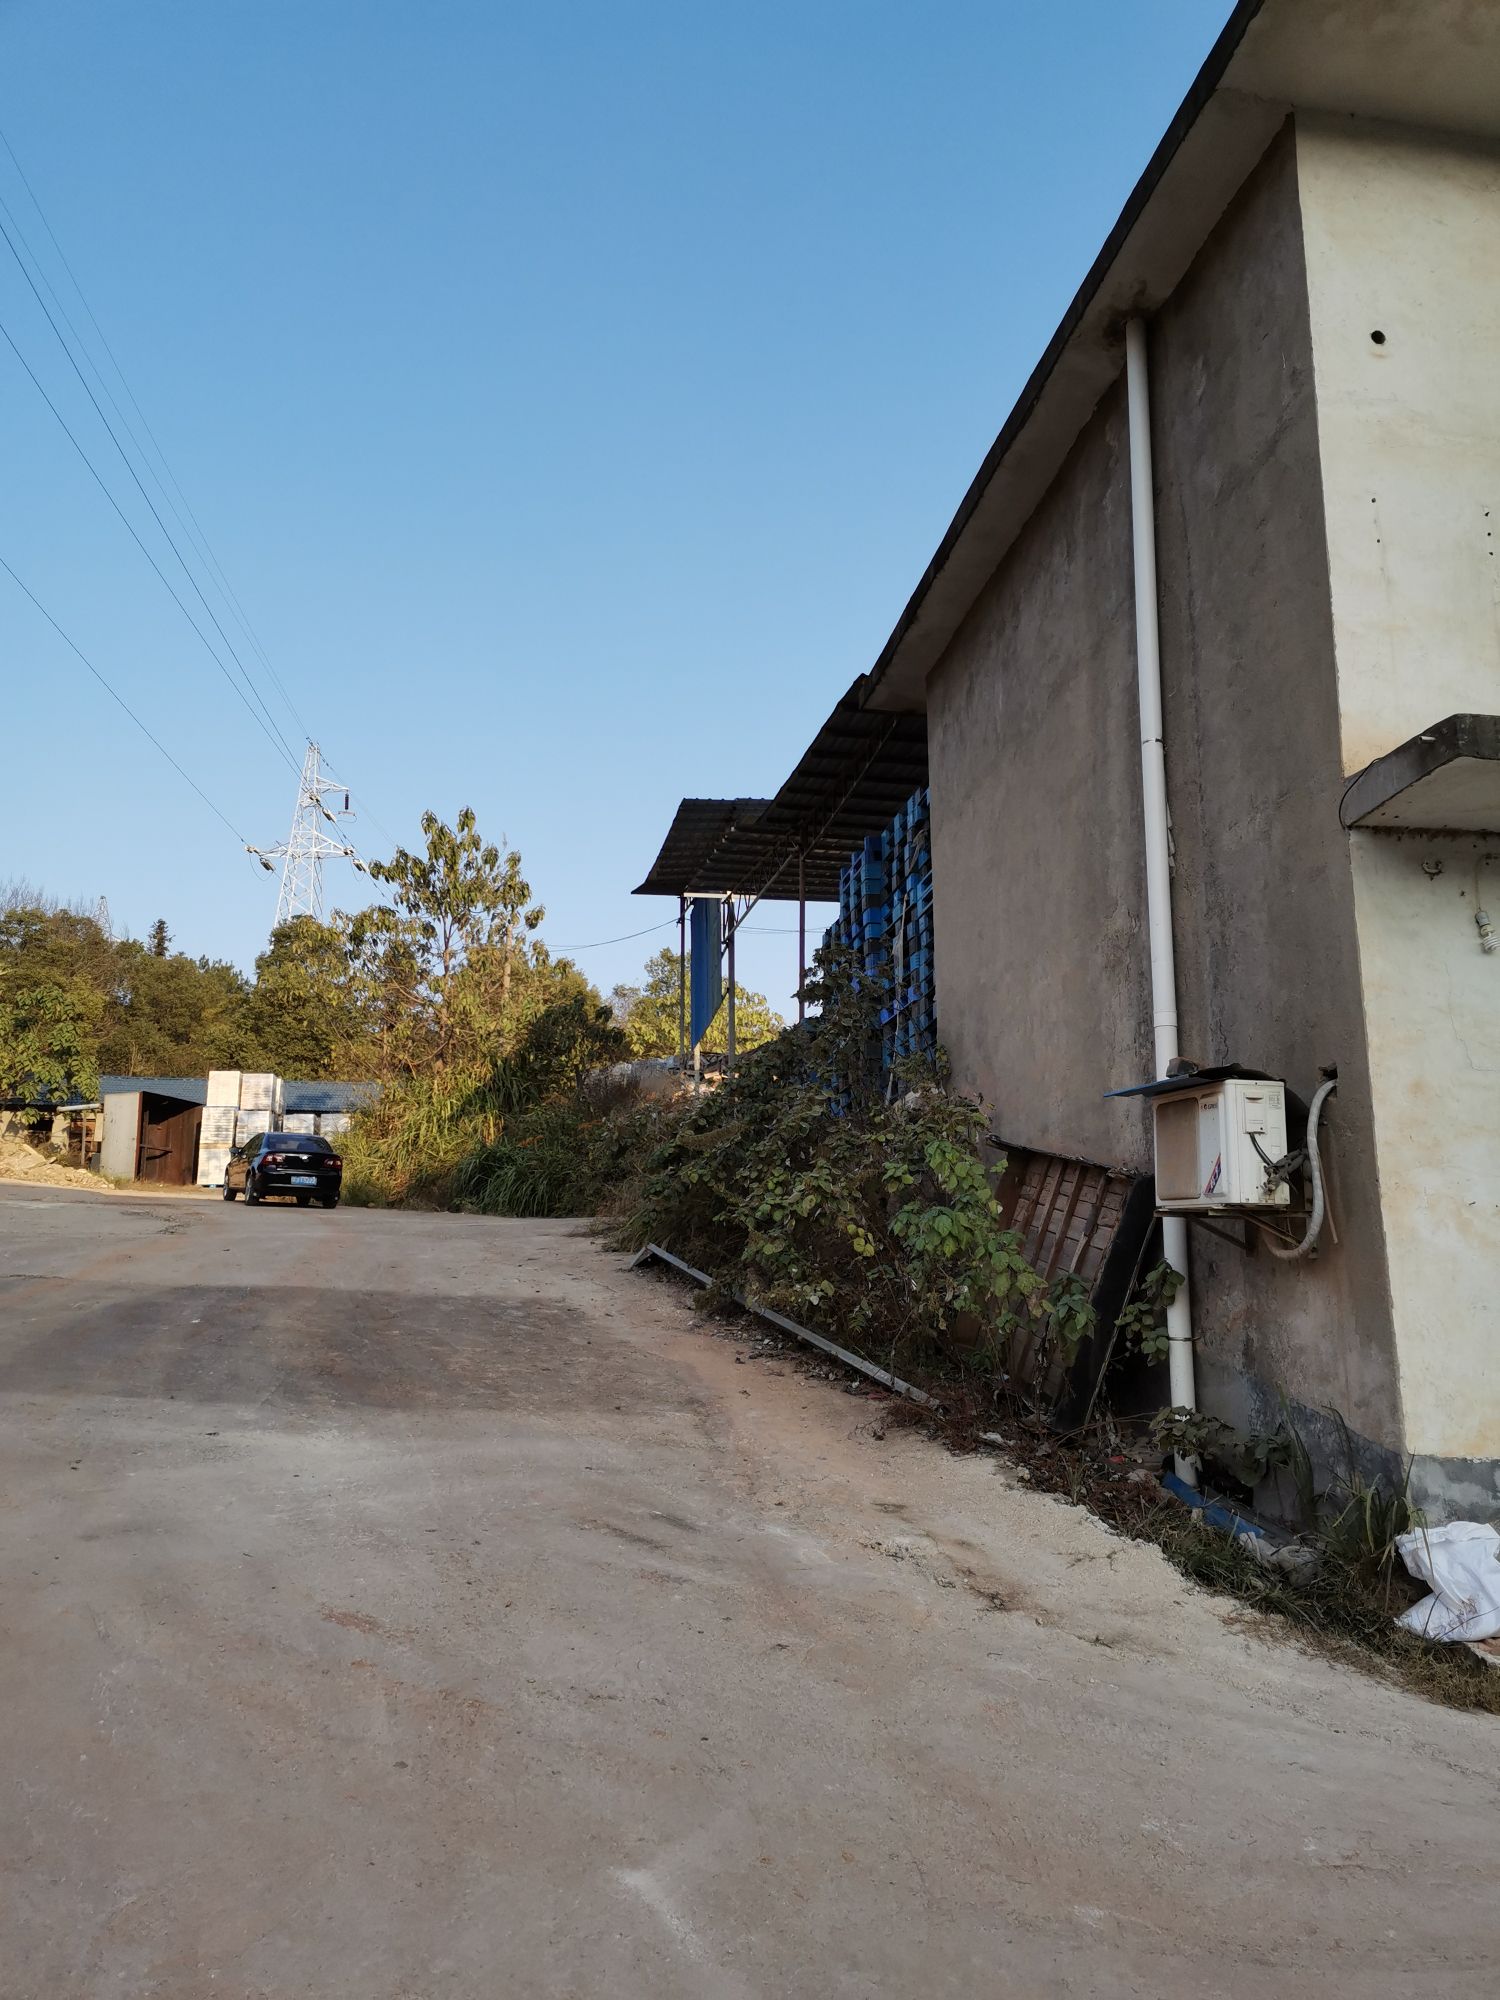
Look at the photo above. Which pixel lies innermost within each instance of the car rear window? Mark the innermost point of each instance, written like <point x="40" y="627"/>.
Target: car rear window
<point x="296" y="1142"/>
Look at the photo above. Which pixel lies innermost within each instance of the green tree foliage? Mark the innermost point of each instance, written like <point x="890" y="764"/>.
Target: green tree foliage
<point x="159" y="939"/>
<point x="306" y="1016"/>
<point x="649" y="1013"/>
<point x="558" y="1048"/>
<point x="75" y="1003"/>
<point x="443" y="964"/>
<point x="54" y="967"/>
<point x="172" y="1016"/>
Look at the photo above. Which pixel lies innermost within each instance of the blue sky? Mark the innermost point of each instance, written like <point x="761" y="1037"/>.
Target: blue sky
<point x="573" y="395"/>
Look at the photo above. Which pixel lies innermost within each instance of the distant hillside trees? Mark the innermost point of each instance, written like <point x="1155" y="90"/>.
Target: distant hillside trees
<point x="649" y="1013"/>
<point x="440" y="980"/>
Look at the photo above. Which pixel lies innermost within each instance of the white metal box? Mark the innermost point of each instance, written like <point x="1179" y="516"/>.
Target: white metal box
<point x="1213" y="1143"/>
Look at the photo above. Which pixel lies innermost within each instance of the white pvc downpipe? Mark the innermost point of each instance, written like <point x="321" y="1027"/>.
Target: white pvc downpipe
<point x="1183" y="1387"/>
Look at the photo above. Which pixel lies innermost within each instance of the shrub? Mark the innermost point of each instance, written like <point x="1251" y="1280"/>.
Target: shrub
<point x="462" y="1136"/>
<point x="858" y="1201"/>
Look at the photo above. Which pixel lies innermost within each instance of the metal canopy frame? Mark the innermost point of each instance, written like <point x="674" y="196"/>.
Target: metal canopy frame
<point x="853" y="778"/>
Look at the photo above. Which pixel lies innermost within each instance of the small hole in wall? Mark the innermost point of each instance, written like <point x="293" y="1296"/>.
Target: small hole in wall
<point x="1378" y="337"/>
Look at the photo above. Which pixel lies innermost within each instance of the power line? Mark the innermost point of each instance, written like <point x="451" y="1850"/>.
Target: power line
<point x="192" y="527"/>
<point x="600" y="943"/>
<point x="155" y="511"/>
<point x="280" y="748"/>
<point x="196" y="532"/>
<point x="115" y="695"/>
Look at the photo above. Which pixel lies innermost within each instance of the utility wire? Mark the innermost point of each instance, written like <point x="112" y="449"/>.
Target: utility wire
<point x="279" y="747"/>
<point x="192" y="527"/>
<point x="195" y="532"/>
<point x="155" y="511"/>
<point x="600" y="943"/>
<point x="115" y="695"/>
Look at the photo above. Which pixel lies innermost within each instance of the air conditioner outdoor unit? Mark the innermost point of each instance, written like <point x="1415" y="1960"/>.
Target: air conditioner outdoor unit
<point x="1215" y="1142"/>
<point x="1220" y="1139"/>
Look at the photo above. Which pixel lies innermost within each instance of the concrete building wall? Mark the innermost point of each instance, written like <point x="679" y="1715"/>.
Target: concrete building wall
<point x="1042" y="994"/>
<point x="1268" y="967"/>
<point x="1403" y="238"/>
<point x="1043" y="981"/>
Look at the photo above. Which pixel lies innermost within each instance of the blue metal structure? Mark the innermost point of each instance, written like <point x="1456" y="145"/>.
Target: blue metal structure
<point x="706" y="964"/>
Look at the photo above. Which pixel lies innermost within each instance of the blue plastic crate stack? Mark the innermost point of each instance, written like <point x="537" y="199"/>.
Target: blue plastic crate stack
<point x="885" y="917"/>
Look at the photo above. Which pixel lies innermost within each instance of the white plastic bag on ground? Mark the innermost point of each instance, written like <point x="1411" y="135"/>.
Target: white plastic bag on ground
<point x="1461" y="1563"/>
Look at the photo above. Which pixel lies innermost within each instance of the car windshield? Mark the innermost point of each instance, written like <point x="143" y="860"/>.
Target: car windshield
<point x="295" y="1142"/>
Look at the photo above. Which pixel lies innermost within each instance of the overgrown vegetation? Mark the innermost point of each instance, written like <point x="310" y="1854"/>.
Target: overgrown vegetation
<point x="857" y="1202"/>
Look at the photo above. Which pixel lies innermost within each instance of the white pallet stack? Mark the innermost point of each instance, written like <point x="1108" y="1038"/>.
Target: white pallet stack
<point x="217" y="1128"/>
<point x="216" y="1134"/>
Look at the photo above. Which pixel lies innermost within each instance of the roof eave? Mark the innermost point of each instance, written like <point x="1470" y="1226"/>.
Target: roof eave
<point x="1204" y="157"/>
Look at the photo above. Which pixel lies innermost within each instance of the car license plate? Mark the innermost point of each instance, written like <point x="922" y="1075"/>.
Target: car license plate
<point x="304" y="1180"/>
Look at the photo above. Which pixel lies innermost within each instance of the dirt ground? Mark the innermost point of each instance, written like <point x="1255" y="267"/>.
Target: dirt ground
<point x="24" y="1163"/>
<point x="415" y="1607"/>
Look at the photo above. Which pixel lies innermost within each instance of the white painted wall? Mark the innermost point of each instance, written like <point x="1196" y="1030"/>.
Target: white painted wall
<point x="1432" y="1014"/>
<point x="1403" y="235"/>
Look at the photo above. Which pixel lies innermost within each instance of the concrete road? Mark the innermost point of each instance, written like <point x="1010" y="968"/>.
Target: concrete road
<point x="415" y="1608"/>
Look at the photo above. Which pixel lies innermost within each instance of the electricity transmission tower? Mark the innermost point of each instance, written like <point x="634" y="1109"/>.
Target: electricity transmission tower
<point x="310" y="842"/>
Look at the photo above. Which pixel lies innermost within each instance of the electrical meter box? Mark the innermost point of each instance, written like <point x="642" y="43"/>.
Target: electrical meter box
<point x="1214" y="1144"/>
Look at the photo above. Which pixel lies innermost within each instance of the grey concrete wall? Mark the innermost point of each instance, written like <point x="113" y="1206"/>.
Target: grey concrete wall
<point x="1267" y="953"/>
<point x="1043" y="982"/>
<point x="1042" y="992"/>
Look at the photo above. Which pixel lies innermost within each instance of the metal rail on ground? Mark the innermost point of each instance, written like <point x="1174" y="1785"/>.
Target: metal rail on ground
<point x="779" y="1320"/>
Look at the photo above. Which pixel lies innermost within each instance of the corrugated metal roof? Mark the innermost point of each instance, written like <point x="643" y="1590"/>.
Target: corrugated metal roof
<point x="701" y="829"/>
<point x="330" y="1096"/>
<point x="299" y="1096"/>
<point x="856" y="774"/>
<point x="191" y="1089"/>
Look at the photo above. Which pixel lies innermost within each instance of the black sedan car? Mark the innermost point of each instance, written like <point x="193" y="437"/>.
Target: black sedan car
<point x="289" y="1163"/>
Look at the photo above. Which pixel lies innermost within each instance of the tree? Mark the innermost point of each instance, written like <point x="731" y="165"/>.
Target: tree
<point x="55" y="971"/>
<point x="159" y="939"/>
<point x="649" y="1013"/>
<point x="304" y="1017"/>
<point x="48" y="1039"/>
<point x="560" y="1046"/>
<point x="172" y="1016"/>
<point x="442" y="963"/>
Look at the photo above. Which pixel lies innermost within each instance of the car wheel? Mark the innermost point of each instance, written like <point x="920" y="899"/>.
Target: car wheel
<point x="252" y="1192"/>
<point x="228" y="1192"/>
<point x="328" y="1200"/>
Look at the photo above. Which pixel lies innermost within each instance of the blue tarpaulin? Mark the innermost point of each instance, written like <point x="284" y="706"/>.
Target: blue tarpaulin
<point x="705" y="964"/>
